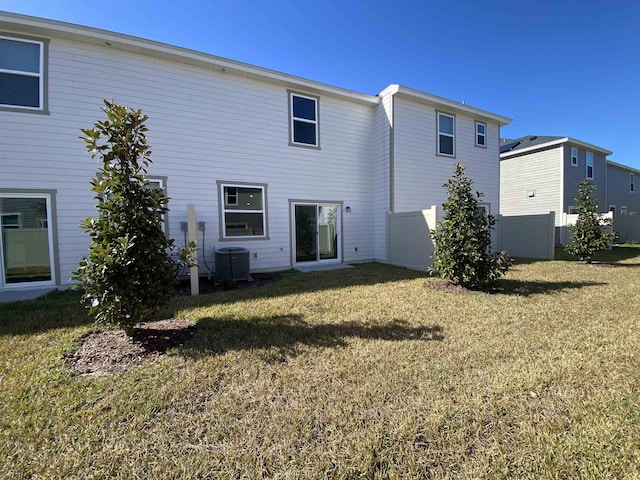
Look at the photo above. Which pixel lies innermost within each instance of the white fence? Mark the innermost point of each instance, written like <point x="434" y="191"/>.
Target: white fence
<point x="528" y="236"/>
<point x="409" y="234"/>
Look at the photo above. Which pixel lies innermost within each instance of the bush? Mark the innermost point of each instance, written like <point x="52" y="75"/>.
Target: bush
<point x="587" y="235"/>
<point x="130" y="271"/>
<point x="463" y="238"/>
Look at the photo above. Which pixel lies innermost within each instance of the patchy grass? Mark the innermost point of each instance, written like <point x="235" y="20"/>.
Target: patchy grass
<point x="344" y="374"/>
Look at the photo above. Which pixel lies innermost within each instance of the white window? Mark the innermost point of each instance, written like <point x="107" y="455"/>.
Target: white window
<point x="159" y="183"/>
<point x="304" y="120"/>
<point x="632" y="182"/>
<point x="612" y="209"/>
<point x="574" y="156"/>
<point x="623" y="210"/>
<point x="243" y="211"/>
<point x="21" y="73"/>
<point x="590" y="165"/>
<point x="446" y="134"/>
<point x="481" y="134"/>
<point x="572" y="210"/>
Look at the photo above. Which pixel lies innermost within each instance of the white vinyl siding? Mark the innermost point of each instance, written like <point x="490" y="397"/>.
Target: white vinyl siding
<point x="537" y="172"/>
<point x="198" y="135"/>
<point x="22" y="82"/>
<point x="419" y="176"/>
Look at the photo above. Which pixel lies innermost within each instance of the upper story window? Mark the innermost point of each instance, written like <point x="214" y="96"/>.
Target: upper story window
<point x="574" y="156"/>
<point x="632" y="182"/>
<point x="304" y="120"/>
<point x="243" y="211"/>
<point x="446" y="134"/>
<point x="481" y="134"/>
<point x="590" y="165"/>
<point x="623" y="210"/>
<point x="22" y="82"/>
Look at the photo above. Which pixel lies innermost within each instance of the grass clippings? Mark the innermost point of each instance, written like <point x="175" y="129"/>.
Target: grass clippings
<point x="356" y="373"/>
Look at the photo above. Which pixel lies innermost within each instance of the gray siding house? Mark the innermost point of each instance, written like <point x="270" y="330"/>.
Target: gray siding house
<point x="622" y="189"/>
<point x="256" y="152"/>
<point x="540" y="174"/>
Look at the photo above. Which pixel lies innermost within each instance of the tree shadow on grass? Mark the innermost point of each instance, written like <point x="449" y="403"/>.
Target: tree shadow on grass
<point x="506" y="286"/>
<point x="280" y="335"/>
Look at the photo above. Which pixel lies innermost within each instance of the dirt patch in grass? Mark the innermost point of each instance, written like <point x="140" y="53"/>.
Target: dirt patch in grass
<point x="445" y="286"/>
<point x="111" y="351"/>
<point x="209" y="285"/>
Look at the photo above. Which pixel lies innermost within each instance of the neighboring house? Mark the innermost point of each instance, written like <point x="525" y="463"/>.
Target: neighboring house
<point x="540" y="174"/>
<point x="296" y="171"/>
<point x="622" y="190"/>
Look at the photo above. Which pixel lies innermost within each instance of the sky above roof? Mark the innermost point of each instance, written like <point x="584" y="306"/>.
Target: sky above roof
<point x="568" y="68"/>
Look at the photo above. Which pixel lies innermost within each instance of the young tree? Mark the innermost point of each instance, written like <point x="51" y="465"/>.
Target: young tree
<point x="463" y="238"/>
<point x="129" y="272"/>
<point x="587" y="235"/>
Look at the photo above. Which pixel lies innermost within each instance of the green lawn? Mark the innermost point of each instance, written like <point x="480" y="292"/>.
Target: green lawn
<point x="358" y="373"/>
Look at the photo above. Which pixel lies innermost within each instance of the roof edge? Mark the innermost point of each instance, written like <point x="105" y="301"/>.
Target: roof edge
<point x="542" y="146"/>
<point x="47" y="27"/>
<point x="435" y="100"/>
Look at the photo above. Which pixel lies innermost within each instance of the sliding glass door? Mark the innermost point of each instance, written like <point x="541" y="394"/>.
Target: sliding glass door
<point x="26" y="240"/>
<point x="316" y="232"/>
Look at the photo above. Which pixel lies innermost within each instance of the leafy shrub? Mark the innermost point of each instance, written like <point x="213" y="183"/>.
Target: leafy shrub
<point x="131" y="268"/>
<point x="463" y="238"/>
<point x="587" y="235"/>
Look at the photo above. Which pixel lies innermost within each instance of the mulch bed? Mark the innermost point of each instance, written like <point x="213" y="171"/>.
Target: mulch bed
<point x="111" y="351"/>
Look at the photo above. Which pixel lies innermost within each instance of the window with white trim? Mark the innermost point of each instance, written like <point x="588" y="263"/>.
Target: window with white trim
<point x="243" y="211"/>
<point x="632" y="182"/>
<point x="590" y="165"/>
<point x="159" y="183"/>
<point x="481" y="134"/>
<point x="572" y="210"/>
<point x="623" y="209"/>
<point x="304" y="120"/>
<point x="574" y="157"/>
<point x="22" y="73"/>
<point x="446" y="134"/>
<point x="612" y="209"/>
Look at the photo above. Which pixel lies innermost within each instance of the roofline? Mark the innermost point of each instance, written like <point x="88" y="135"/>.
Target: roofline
<point x="445" y="103"/>
<point x="26" y="24"/>
<point x="626" y="167"/>
<point x="553" y="143"/>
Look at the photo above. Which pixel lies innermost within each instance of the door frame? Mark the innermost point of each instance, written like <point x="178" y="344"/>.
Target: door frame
<point x="292" y="224"/>
<point x="49" y="197"/>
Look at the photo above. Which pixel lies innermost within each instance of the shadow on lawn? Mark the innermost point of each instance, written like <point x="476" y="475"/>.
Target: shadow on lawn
<point x="506" y="286"/>
<point x="286" y="332"/>
<point x="293" y="282"/>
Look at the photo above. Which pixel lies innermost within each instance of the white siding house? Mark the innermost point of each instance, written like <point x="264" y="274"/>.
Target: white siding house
<point x="257" y="152"/>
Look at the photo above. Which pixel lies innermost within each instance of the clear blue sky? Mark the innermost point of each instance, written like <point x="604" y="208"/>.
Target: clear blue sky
<point x="569" y="68"/>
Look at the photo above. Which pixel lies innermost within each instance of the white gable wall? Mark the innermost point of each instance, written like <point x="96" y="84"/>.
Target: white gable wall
<point x="204" y="126"/>
<point x="419" y="174"/>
